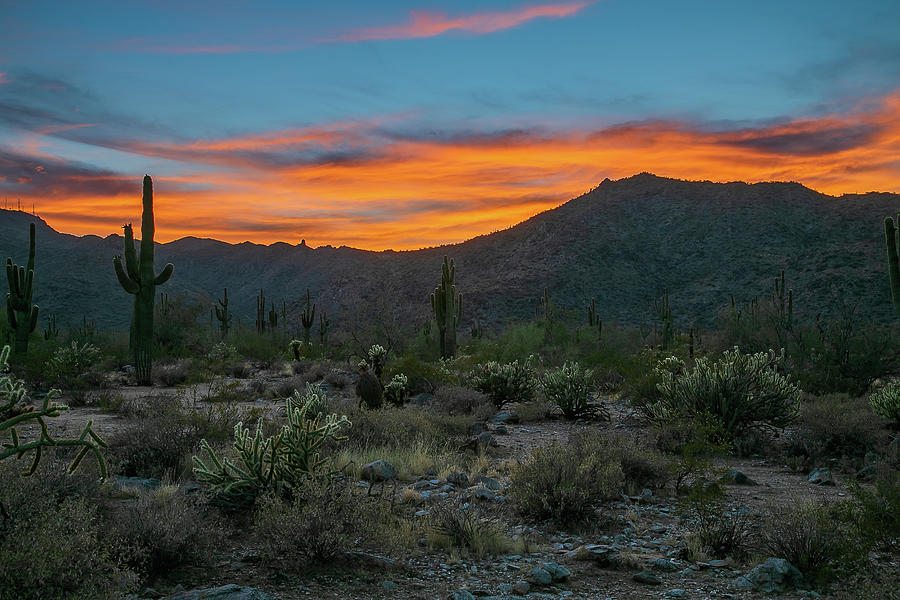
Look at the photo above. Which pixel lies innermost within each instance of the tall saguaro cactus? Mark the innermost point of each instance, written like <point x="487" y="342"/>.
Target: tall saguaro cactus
<point x="137" y="278"/>
<point x="307" y="317"/>
<point x="447" y="307"/>
<point x="22" y="314"/>
<point x="893" y="252"/>
<point x="223" y="315"/>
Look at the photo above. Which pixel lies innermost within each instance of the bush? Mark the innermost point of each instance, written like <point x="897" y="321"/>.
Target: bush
<point x="566" y="481"/>
<point x="886" y="402"/>
<point x="877" y="513"/>
<point x="739" y="392"/>
<point x="325" y="519"/>
<point x="812" y="537"/>
<point x="69" y="362"/>
<point x="50" y="539"/>
<point x="504" y="383"/>
<point x="457" y="527"/>
<point x="571" y="388"/>
<point x="172" y="373"/>
<point x="459" y="400"/>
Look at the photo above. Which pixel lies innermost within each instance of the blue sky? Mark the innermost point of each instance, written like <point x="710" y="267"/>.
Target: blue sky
<point x="87" y="87"/>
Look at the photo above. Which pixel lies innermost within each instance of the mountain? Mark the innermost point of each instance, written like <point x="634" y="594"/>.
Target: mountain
<point x="623" y="243"/>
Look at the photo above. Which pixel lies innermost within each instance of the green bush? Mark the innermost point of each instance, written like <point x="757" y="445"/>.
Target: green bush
<point x="504" y="383"/>
<point x="571" y="388"/>
<point x="459" y="400"/>
<point x="739" y="392"/>
<point x="70" y="361"/>
<point x="886" y="402"/>
<point x="877" y="511"/>
<point x="565" y="482"/>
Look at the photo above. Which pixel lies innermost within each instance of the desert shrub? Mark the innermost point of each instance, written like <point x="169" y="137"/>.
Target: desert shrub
<point x="812" y="537"/>
<point x="325" y="519"/>
<point x="461" y="527"/>
<point x="504" y="383"/>
<point x="162" y="530"/>
<point x="424" y="377"/>
<point x="566" y="481"/>
<point x="877" y="511"/>
<point x="276" y="463"/>
<point x="399" y="427"/>
<point x="571" y="388"/>
<point x="715" y="531"/>
<point x="69" y="362"/>
<point x="395" y="390"/>
<point x="837" y="426"/>
<point x="886" y="402"/>
<point x="738" y="391"/>
<point x="459" y="400"/>
<point x="172" y="373"/>
<point x="50" y="538"/>
<point x="337" y="379"/>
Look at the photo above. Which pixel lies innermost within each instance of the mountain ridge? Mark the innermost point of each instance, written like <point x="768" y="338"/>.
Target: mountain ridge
<point x="623" y="242"/>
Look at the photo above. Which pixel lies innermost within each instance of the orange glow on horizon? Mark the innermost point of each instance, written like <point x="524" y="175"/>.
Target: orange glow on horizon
<point x="408" y="193"/>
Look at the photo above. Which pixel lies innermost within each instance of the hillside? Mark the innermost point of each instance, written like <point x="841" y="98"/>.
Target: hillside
<point x="622" y="243"/>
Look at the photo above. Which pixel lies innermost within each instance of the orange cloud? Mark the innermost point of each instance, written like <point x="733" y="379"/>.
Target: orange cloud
<point x="360" y="185"/>
<point x="424" y="24"/>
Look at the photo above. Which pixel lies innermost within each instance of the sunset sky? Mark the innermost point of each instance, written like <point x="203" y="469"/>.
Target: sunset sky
<point x="404" y="124"/>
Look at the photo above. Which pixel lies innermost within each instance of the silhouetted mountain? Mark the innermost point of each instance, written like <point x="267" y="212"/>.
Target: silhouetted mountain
<point x="623" y="243"/>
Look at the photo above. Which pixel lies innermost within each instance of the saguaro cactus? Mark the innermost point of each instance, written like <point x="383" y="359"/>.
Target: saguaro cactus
<point x="137" y="278"/>
<point x="447" y="307"/>
<point x="890" y="238"/>
<point x="785" y="314"/>
<point x="22" y="314"/>
<point x="223" y="315"/>
<point x="261" y="312"/>
<point x="307" y="317"/>
<point x="664" y="314"/>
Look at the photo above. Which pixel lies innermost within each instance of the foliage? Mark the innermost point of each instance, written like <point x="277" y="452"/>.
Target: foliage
<point x="739" y="392"/>
<point x="325" y="519"/>
<point x="70" y="361"/>
<point x="877" y="511"/>
<point x="571" y="388"/>
<point x="461" y="527"/>
<point x="886" y="402"/>
<point x="16" y="410"/>
<point x="504" y="383"/>
<point x="395" y="390"/>
<point x="459" y="400"/>
<point x="566" y="481"/>
<point x="277" y="463"/>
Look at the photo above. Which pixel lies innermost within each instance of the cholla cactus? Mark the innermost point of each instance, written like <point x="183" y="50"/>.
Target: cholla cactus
<point x="16" y="410"/>
<point x="375" y="359"/>
<point x="571" y="388"/>
<point x="277" y="463"/>
<point x="503" y="383"/>
<point x="886" y="402"/>
<point x="395" y="390"/>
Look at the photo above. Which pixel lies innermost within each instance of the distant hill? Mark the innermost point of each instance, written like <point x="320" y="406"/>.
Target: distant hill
<point x="623" y="243"/>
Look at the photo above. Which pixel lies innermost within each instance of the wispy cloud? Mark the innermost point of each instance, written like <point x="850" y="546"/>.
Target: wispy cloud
<point x="4" y="77"/>
<point x="422" y="24"/>
<point x="388" y="183"/>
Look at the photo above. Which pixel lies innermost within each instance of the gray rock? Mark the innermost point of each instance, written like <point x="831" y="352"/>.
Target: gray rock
<point x="506" y="416"/>
<point x="500" y="430"/>
<point x="488" y="482"/>
<point x="661" y="564"/>
<point x="485" y="494"/>
<point x="647" y="578"/>
<point x="557" y="572"/>
<point x="225" y="592"/>
<point x="461" y="595"/>
<point x="486" y="439"/>
<point x="521" y="588"/>
<point x="737" y="478"/>
<point x="676" y="593"/>
<point x="378" y="470"/>
<point x="388" y="585"/>
<point x="458" y="478"/>
<point x="773" y="575"/>
<point x="540" y="576"/>
<point x="821" y="477"/>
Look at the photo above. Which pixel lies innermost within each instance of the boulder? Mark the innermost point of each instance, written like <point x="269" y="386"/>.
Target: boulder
<point x="378" y="470"/>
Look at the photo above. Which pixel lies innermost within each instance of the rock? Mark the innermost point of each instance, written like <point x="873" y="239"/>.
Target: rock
<point x="225" y="592"/>
<point x="500" y="430"/>
<point x="676" y="593"/>
<point x="137" y="483"/>
<point x="521" y="588"/>
<point x="604" y="556"/>
<point x="506" y="416"/>
<point x="557" y="572"/>
<point x="718" y="564"/>
<point x="388" y="585"/>
<point x="540" y="576"/>
<point x="457" y="478"/>
<point x="484" y="494"/>
<point x="475" y="428"/>
<point x="647" y="578"/>
<point x="773" y="575"/>
<point x="821" y="477"/>
<point x="661" y="564"/>
<point x="736" y="478"/>
<point x="488" y="482"/>
<point x="378" y="470"/>
<point x="461" y="595"/>
<point x="486" y="439"/>
<point x="646" y="496"/>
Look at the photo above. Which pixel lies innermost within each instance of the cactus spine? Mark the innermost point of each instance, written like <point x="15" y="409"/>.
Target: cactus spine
<point x="447" y="307"/>
<point x="22" y="314"/>
<point x="307" y="317"/>
<point x="223" y="315"/>
<point x="890" y="238"/>
<point x="137" y="278"/>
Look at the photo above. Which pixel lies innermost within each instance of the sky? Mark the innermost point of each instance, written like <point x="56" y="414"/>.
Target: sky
<point x="407" y="124"/>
